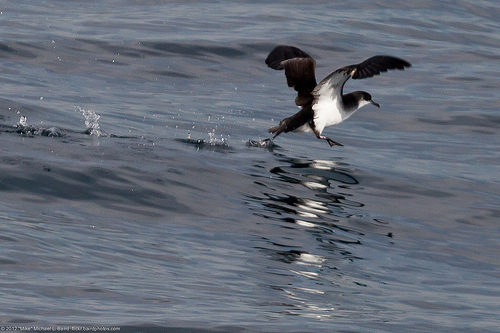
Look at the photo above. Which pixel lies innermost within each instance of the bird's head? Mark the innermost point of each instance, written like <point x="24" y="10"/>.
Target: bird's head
<point x="365" y="98"/>
<point x="356" y="100"/>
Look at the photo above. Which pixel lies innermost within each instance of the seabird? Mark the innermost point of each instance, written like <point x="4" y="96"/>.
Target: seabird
<point x="324" y="104"/>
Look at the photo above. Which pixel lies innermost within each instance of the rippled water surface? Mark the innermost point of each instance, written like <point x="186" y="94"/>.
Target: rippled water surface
<point x="129" y="195"/>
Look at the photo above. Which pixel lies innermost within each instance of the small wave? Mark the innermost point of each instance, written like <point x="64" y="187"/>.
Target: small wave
<point x="91" y="122"/>
<point x="220" y="146"/>
<point x="214" y="145"/>
<point x="23" y="127"/>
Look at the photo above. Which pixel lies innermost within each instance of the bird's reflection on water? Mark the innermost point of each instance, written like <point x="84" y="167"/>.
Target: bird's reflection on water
<point x="318" y="196"/>
<point x="315" y="225"/>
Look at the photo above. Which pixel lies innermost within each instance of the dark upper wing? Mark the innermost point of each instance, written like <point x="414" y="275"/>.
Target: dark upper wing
<point x="283" y="52"/>
<point x="374" y="65"/>
<point x="299" y="70"/>
<point x="332" y="86"/>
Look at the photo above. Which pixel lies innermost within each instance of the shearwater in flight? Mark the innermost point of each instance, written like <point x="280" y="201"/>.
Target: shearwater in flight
<point x="324" y="104"/>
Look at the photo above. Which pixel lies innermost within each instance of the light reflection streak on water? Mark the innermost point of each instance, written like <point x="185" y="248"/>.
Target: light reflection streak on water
<point x="306" y="308"/>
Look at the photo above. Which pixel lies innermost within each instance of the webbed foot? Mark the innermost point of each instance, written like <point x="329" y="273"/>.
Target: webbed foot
<point x="330" y="141"/>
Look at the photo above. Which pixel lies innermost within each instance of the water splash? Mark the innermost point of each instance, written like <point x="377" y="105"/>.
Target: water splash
<point x="91" y="121"/>
<point x="265" y="143"/>
<point x="214" y="141"/>
<point x="22" y="127"/>
<point x="22" y="121"/>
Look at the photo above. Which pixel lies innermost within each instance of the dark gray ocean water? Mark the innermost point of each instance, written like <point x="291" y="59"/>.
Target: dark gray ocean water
<point x="145" y="207"/>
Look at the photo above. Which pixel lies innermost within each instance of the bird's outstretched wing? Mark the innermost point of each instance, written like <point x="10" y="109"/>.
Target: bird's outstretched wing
<point x="375" y="65"/>
<point x="334" y="83"/>
<point x="299" y="70"/>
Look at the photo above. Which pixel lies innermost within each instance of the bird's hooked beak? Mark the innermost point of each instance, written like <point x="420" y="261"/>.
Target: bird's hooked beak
<point x="376" y="104"/>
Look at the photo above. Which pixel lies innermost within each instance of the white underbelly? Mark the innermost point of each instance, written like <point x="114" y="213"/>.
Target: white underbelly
<point x="327" y="113"/>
